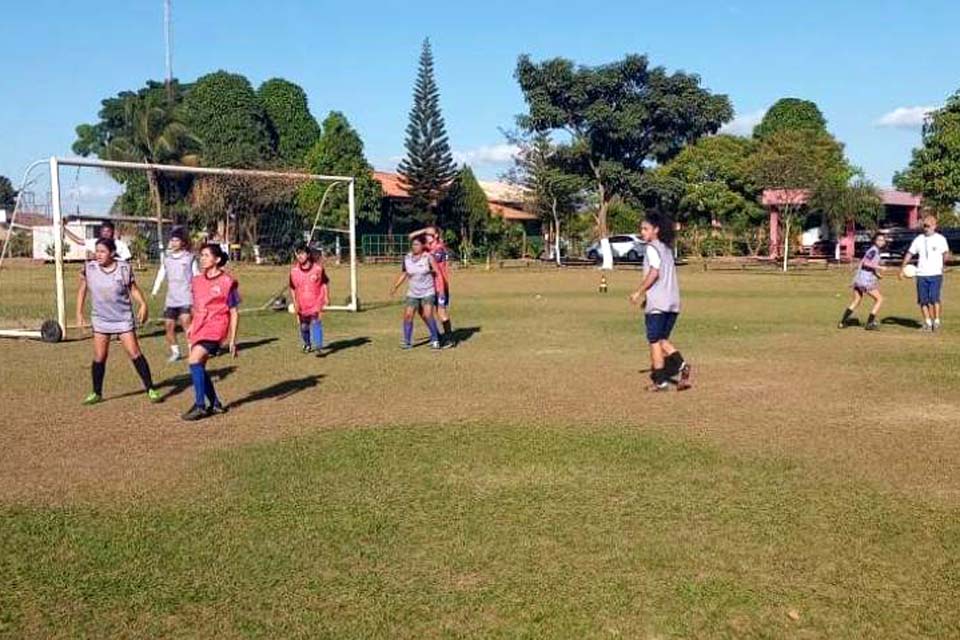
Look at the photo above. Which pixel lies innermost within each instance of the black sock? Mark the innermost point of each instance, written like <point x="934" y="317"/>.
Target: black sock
<point x="97" y="371"/>
<point x="447" y="328"/>
<point x="872" y="318"/>
<point x="659" y="376"/>
<point x="672" y="364"/>
<point x="143" y="370"/>
<point x="846" y="315"/>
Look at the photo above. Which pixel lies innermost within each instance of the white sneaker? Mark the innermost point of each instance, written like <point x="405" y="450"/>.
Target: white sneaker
<point x="173" y="357"/>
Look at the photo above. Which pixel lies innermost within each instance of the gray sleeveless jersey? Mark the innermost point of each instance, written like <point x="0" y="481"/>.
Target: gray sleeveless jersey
<point x="419" y="275"/>
<point x="109" y="292"/>
<point x="664" y="295"/>
<point x="178" y="270"/>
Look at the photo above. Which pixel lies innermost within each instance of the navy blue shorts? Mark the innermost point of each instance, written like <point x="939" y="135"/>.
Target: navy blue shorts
<point x="660" y="325"/>
<point x="212" y="347"/>
<point x="928" y="289"/>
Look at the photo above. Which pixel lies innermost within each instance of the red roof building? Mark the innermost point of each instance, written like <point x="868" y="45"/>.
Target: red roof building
<point x="505" y="200"/>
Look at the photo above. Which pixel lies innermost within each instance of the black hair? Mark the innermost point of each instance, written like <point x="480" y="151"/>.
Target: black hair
<point x="217" y="252"/>
<point x="107" y="224"/>
<point x="877" y="235"/>
<point x="109" y="244"/>
<point x="664" y="225"/>
<point x="301" y="247"/>
<point x="422" y="238"/>
<point x="179" y="233"/>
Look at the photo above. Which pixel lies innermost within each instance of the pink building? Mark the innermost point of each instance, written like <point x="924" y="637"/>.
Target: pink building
<point x="901" y="209"/>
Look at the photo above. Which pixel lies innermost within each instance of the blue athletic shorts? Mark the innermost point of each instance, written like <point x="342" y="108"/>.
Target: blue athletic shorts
<point x="660" y="325"/>
<point x="928" y="289"/>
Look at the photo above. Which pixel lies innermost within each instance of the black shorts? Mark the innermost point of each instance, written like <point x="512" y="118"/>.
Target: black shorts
<point x="212" y="347"/>
<point x="174" y="313"/>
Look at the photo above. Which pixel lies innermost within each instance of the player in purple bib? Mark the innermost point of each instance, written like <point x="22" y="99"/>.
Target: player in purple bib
<point x="867" y="281"/>
<point x="111" y="287"/>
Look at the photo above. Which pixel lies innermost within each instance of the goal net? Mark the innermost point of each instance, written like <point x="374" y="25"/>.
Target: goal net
<point x="257" y="216"/>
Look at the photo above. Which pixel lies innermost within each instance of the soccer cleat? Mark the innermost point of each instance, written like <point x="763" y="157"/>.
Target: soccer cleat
<point x="656" y="388"/>
<point x="306" y="348"/>
<point x="216" y="410"/>
<point x="92" y="399"/>
<point x="872" y="326"/>
<point x="405" y="346"/>
<point x="435" y="345"/>
<point x="927" y="328"/>
<point x="173" y="358"/>
<point x="154" y="395"/>
<point x="685" y="373"/>
<point x="842" y="324"/>
<point x="195" y="413"/>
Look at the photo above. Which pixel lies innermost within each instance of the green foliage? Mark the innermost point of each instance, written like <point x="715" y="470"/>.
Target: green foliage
<point x="8" y="195"/>
<point x="842" y="202"/>
<point x="623" y="218"/>
<point x="294" y="127"/>
<point x="339" y="151"/>
<point x="934" y="170"/>
<point x="798" y="160"/>
<point x="619" y="117"/>
<point x="466" y="208"/>
<point x="428" y="167"/>
<point x="792" y="114"/>
<point x="548" y="190"/>
<point x="224" y="112"/>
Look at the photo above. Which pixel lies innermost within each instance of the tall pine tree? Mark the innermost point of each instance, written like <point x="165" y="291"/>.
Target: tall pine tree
<point x="428" y="169"/>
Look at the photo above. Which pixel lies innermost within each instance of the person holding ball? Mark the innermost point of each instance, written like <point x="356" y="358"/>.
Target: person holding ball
<point x="111" y="286"/>
<point x="215" y="320"/>
<point x="931" y="249"/>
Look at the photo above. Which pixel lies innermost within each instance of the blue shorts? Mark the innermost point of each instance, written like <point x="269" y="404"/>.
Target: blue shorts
<point x="659" y="325"/>
<point x="928" y="289"/>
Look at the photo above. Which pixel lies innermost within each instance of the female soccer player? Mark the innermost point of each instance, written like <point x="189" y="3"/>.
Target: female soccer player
<point x="441" y="278"/>
<point x="418" y="269"/>
<point x="308" y="290"/>
<point x="662" y="306"/>
<point x="867" y="281"/>
<point x="215" y="319"/>
<point x="111" y="286"/>
<point x="178" y="266"/>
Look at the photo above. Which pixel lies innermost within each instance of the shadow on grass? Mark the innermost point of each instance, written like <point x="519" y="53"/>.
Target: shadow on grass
<point x="909" y="323"/>
<point x="176" y="385"/>
<point x="463" y="334"/>
<point x="278" y="391"/>
<point x="341" y="345"/>
<point x="253" y="344"/>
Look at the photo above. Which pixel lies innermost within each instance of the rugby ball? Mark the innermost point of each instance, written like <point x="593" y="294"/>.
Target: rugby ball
<point x="291" y="308"/>
<point x="909" y="271"/>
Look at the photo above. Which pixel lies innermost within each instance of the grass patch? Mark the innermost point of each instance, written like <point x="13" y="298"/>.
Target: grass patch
<point x="487" y="530"/>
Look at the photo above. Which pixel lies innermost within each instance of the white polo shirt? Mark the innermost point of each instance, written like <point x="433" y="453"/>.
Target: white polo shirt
<point x="930" y="251"/>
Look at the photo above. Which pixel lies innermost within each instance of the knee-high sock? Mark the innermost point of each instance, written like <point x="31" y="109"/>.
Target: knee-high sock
<point x="305" y="333"/>
<point x="97" y="371"/>
<point x="407" y="332"/>
<point x="198" y="375"/>
<point x="672" y="364"/>
<point x="208" y="389"/>
<point x="432" y="326"/>
<point x="447" y="328"/>
<point x="143" y="370"/>
<point x="316" y="333"/>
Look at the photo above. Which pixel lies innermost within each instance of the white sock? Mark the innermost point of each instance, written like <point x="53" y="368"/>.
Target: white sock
<point x="928" y="322"/>
<point x="936" y="321"/>
<point x="175" y="350"/>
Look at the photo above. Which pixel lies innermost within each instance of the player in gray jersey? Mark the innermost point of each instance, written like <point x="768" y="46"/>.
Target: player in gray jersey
<point x="178" y="267"/>
<point x="419" y="268"/>
<point x="112" y="289"/>
<point x="662" y="306"/>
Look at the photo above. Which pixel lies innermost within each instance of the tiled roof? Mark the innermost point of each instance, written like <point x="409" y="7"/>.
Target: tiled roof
<point x="799" y="196"/>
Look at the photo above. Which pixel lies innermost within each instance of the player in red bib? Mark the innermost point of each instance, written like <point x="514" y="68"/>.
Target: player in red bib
<point x="308" y="290"/>
<point x="215" y="320"/>
<point x="441" y="278"/>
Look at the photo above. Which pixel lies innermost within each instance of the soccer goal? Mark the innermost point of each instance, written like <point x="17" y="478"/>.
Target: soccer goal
<point x="257" y="215"/>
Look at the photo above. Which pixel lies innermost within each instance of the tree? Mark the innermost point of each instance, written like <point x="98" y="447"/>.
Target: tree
<point x="428" y="168"/>
<point x="796" y="162"/>
<point x="934" y="169"/>
<point x="793" y="114"/>
<point x="466" y="208"/>
<point x="224" y="112"/>
<point x="841" y="202"/>
<point x="618" y="118"/>
<point x="339" y="151"/>
<point x="8" y="195"/>
<point x="294" y="128"/>
<point x="548" y="191"/>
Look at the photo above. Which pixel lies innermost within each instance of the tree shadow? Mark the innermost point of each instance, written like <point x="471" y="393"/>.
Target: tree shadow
<point x="463" y="334"/>
<point x="909" y="323"/>
<point x="278" y="391"/>
<point x="179" y="384"/>
<point x="339" y="345"/>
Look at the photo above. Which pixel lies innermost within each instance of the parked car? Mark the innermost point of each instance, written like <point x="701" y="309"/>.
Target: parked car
<point x="626" y="248"/>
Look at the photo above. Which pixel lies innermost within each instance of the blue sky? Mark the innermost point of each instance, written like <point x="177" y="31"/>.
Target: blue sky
<point x="860" y="61"/>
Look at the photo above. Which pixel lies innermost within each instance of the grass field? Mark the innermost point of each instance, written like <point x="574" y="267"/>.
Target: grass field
<point x="809" y="485"/>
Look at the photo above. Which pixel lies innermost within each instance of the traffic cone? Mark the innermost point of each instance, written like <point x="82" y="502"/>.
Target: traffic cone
<point x="603" y="283"/>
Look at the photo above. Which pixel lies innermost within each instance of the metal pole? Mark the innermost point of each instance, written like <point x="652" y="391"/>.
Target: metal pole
<point x="169" y="52"/>
<point x="351" y="201"/>
<point x="58" y="242"/>
<point x="209" y="171"/>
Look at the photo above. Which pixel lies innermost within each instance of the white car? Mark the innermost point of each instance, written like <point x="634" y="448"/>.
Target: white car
<point x="627" y="247"/>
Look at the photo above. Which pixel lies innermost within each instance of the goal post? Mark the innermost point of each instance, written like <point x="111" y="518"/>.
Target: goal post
<point x="218" y="180"/>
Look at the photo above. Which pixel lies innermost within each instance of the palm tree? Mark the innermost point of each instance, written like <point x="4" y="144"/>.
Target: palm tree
<point x="153" y="135"/>
<point x="841" y="203"/>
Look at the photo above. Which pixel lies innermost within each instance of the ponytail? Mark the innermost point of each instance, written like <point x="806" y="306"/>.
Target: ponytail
<point x="217" y="252"/>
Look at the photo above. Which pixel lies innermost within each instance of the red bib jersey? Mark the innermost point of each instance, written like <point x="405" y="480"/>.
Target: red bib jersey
<point x="309" y="288"/>
<point x="212" y="300"/>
